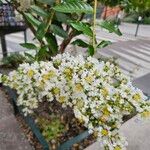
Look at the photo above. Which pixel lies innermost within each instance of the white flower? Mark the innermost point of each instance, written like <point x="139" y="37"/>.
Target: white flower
<point x="98" y="93"/>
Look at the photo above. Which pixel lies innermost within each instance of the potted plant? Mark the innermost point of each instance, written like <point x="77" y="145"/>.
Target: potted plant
<point x="67" y="95"/>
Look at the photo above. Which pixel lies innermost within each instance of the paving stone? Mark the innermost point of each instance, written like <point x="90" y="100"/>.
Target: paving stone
<point x="143" y="83"/>
<point x="5" y="108"/>
<point x="11" y="136"/>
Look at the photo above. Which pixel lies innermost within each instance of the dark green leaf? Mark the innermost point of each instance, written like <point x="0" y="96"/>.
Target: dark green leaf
<point x="91" y="50"/>
<point x="29" y="46"/>
<point x="81" y="26"/>
<point x="58" y="31"/>
<point x="41" y="31"/>
<point x="31" y="19"/>
<point x="52" y="43"/>
<point x="61" y="17"/>
<point x="49" y="2"/>
<point x="80" y="43"/>
<point x="111" y="27"/>
<point x="32" y="58"/>
<point x="43" y="53"/>
<point x="39" y="11"/>
<point x="103" y="44"/>
<point x="74" y="7"/>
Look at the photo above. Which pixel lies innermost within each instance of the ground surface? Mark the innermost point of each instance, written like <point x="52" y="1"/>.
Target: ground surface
<point x="11" y="136"/>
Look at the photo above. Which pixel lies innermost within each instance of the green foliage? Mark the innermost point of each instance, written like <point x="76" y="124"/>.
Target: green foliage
<point x="140" y="7"/>
<point x="29" y="46"/>
<point x="111" y="27"/>
<point x="80" y="43"/>
<point x="49" y="19"/>
<point x="103" y="44"/>
<point x="51" y="129"/>
<point x="14" y="60"/>
<point x="111" y="2"/>
<point x="74" y="7"/>
<point x="57" y="30"/>
<point x="83" y="27"/>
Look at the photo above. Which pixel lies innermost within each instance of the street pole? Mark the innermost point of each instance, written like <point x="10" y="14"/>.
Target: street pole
<point x="138" y="24"/>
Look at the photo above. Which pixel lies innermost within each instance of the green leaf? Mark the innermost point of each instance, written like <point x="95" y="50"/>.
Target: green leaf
<point x="41" y="31"/>
<point x="31" y="19"/>
<point x="91" y="50"/>
<point x="58" y="31"/>
<point x="111" y="27"/>
<point x="39" y="11"/>
<point x="29" y="46"/>
<point x="80" y="43"/>
<point x="103" y="44"/>
<point x="43" y="53"/>
<point x="74" y="7"/>
<point x="32" y="58"/>
<point x="84" y="27"/>
<point x="52" y="43"/>
<point x="61" y="17"/>
<point x="49" y="2"/>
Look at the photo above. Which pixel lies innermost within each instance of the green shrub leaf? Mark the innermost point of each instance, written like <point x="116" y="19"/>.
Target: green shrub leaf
<point x="58" y="31"/>
<point x="39" y="11"/>
<point x="41" y="31"/>
<point x="111" y="27"/>
<point x="103" y="44"/>
<point x="61" y="17"/>
<point x="80" y="26"/>
<point x="42" y="53"/>
<point x="29" y="46"/>
<point x="31" y="57"/>
<point x="31" y="19"/>
<point x="74" y="7"/>
<point x="52" y="43"/>
<point x="91" y="50"/>
<point x="80" y="43"/>
<point x="49" y="2"/>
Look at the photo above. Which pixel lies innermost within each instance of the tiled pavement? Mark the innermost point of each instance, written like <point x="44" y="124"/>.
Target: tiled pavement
<point x="11" y="136"/>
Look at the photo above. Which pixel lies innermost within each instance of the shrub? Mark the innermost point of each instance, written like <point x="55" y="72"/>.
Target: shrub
<point x="98" y="93"/>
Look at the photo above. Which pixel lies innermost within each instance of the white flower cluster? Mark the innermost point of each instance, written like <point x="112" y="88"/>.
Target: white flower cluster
<point x="99" y="94"/>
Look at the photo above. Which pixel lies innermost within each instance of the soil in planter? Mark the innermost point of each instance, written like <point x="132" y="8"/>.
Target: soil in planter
<point x="58" y="125"/>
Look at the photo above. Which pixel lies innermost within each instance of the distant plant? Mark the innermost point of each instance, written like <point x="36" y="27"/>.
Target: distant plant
<point x="14" y="60"/>
<point x="51" y="129"/>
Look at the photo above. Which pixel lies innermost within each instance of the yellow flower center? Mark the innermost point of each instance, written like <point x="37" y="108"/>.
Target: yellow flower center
<point x="62" y="99"/>
<point x="49" y="75"/>
<point x="106" y="112"/>
<point x="104" y="132"/>
<point x="137" y="97"/>
<point x="80" y="103"/>
<point x="78" y="87"/>
<point x="117" y="148"/>
<point x="30" y="73"/>
<point x="89" y="79"/>
<point x="103" y="119"/>
<point x="145" y="114"/>
<point x="56" y="90"/>
<point x="104" y="92"/>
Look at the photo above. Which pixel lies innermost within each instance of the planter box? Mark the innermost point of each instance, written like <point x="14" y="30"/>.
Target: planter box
<point x="36" y="131"/>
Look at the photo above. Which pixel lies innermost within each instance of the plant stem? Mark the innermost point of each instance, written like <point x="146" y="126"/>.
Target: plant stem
<point x="94" y="25"/>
